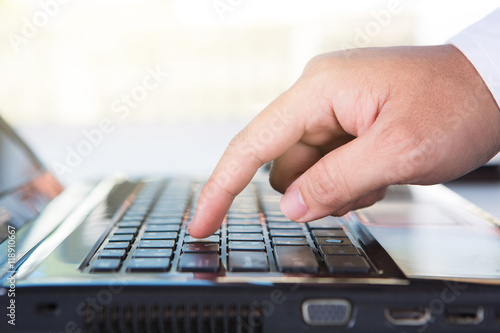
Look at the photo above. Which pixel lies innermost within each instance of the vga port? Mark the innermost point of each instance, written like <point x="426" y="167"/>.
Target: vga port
<point x="326" y="312"/>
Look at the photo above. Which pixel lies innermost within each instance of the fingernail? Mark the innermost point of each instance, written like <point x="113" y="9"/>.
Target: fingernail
<point x="293" y="206"/>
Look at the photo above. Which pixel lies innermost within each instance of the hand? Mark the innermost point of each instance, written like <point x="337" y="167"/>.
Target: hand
<point x="354" y="123"/>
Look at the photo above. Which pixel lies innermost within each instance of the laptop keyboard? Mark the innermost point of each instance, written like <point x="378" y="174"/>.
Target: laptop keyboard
<point x="255" y="237"/>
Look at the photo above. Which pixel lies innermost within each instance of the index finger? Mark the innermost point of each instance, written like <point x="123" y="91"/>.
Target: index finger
<point x="278" y="127"/>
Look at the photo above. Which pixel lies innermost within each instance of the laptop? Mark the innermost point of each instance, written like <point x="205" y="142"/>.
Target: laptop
<point x="115" y="256"/>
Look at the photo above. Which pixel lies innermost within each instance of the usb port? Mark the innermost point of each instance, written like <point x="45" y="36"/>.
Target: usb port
<point x="464" y="315"/>
<point x="408" y="317"/>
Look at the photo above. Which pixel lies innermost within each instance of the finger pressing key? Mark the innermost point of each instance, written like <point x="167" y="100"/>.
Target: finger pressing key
<point x="270" y="134"/>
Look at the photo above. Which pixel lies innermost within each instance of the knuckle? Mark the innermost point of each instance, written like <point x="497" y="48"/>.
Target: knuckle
<point x="320" y="63"/>
<point x="342" y="211"/>
<point x="314" y="61"/>
<point x="369" y="200"/>
<point x="325" y="187"/>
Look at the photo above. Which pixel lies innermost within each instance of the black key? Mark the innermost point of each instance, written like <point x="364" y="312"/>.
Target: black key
<point x="290" y="241"/>
<point x="243" y="222"/>
<point x="244" y="228"/>
<point x="162" y="227"/>
<point x="156" y="243"/>
<point x="217" y="232"/>
<point x="201" y="247"/>
<point x="296" y="259"/>
<point x="199" y="262"/>
<point x="274" y="213"/>
<point x="347" y="265"/>
<point x="174" y="215"/>
<point x="117" y="254"/>
<point x="283" y="225"/>
<point x="333" y="241"/>
<point x="248" y="261"/>
<point x="209" y="239"/>
<point x="168" y="211"/>
<point x="328" y="233"/>
<point x="141" y="204"/>
<point x="136" y="213"/>
<point x="152" y="253"/>
<point x="117" y="245"/>
<point x="131" y="224"/>
<point x="248" y="246"/>
<point x="169" y="205"/>
<point x="121" y="238"/>
<point x="245" y="237"/>
<point x="240" y="215"/>
<point x="286" y="233"/>
<point x="106" y="265"/>
<point x="339" y="250"/>
<point x="165" y="220"/>
<point x="325" y="223"/>
<point x="271" y="204"/>
<point x="148" y="265"/>
<point x="159" y="235"/>
<point x="132" y="218"/>
<point x="281" y="218"/>
<point x="125" y="231"/>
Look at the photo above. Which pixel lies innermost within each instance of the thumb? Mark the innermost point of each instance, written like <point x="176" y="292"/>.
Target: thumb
<point x="339" y="179"/>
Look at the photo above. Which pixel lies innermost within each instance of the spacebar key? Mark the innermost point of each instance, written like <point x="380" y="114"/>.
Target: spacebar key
<point x="296" y="259"/>
<point x="199" y="262"/>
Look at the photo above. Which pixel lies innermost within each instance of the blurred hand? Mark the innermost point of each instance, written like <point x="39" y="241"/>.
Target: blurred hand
<point x="354" y="123"/>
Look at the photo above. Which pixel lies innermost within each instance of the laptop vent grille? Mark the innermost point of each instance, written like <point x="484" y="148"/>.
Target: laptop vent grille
<point x="183" y="318"/>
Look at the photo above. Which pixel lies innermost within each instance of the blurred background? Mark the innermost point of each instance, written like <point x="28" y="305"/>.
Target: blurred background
<point x="161" y="86"/>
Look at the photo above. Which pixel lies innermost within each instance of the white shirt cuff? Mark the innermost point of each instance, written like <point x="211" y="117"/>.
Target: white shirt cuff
<point x="480" y="43"/>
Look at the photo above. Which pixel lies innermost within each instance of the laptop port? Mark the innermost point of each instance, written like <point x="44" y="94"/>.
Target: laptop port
<point x="464" y="315"/>
<point x="408" y="317"/>
<point x="326" y="312"/>
<point x="50" y="309"/>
